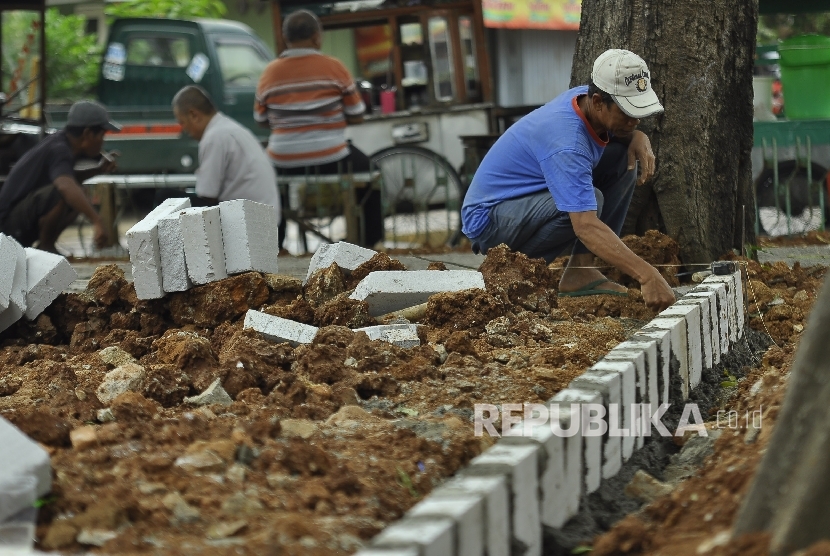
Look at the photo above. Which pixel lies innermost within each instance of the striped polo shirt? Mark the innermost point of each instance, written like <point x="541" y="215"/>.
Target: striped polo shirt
<point x="305" y="97"/>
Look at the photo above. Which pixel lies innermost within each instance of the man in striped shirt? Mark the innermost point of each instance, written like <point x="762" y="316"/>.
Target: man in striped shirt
<point x="307" y="99"/>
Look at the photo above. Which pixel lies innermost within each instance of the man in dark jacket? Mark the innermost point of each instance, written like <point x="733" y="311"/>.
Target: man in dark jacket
<point x="42" y="194"/>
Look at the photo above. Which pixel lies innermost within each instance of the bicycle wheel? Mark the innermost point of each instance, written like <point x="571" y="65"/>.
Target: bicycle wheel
<point x="804" y="213"/>
<point x="422" y="195"/>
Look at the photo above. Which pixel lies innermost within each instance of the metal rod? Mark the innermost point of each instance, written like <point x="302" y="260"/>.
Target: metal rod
<point x="743" y="230"/>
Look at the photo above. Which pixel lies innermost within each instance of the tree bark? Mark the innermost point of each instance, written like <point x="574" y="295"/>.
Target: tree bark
<point x="700" y="55"/>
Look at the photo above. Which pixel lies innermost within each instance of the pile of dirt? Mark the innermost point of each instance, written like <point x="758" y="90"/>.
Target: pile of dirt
<point x="658" y="249"/>
<point x="304" y="450"/>
<point x="815" y="237"/>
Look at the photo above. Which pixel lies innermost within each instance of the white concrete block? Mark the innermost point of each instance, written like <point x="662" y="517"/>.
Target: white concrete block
<point x="145" y="256"/>
<point x="720" y="291"/>
<point x="468" y="514"/>
<point x="628" y="398"/>
<point x="495" y="494"/>
<point x="519" y="465"/>
<point x="171" y="252"/>
<point x="402" y="335"/>
<point x="432" y="536"/>
<point x="347" y="256"/>
<point x="609" y="384"/>
<point x="20" y="287"/>
<point x="662" y="343"/>
<point x="10" y="316"/>
<point x="204" y="251"/>
<point x="8" y="262"/>
<point x="561" y="463"/>
<point x="278" y="329"/>
<point x="694" y="342"/>
<point x="648" y="349"/>
<point x="583" y="458"/>
<point x="638" y="359"/>
<point x="705" y="326"/>
<point x="739" y="303"/>
<point x="47" y="275"/>
<point x="731" y="301"/>
<point x="678" y="344"/>
<point x="713" y="326"/>
<point x="390" y="290"/>
<point x="21" y="457"/>
<point x="249" y="229"/>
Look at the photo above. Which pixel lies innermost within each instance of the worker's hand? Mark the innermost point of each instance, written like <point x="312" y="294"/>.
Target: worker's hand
<point x="100" y="234"/>
<point x="657" y="293"/>
<point x="639" y="150"/>
<point x="109" y="162"/>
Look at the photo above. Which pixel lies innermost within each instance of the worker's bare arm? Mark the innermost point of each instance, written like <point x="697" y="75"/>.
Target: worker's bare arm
<point x="605" y="244"/>
<point x="639" y="150"/>
<point x="74" y="196"/>
<point x="354" y="120"/>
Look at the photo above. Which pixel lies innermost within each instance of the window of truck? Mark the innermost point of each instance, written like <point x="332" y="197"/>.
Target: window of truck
<point x="158" y="51"/>
<point x="241" y="63"/>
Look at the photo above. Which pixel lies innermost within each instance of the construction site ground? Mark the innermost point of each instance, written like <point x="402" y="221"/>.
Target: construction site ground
<point x="325" y="444"/>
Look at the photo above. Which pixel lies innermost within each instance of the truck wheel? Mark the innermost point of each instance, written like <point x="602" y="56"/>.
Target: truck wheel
<point x="422" y="195"/>
<point x="804" y="214"/>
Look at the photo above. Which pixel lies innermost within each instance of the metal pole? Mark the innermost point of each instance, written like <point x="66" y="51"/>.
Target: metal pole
<point x="743" y="230"/>
<point x="43" y="69"/>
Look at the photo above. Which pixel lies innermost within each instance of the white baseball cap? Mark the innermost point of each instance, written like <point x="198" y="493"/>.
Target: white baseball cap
<point x="625" y="76"/>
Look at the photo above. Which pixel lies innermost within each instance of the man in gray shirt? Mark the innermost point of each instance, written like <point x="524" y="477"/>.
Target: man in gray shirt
<point x="232" y="163"/>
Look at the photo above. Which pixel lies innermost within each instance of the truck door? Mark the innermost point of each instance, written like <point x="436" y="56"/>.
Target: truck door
<point x="241" y="61"/>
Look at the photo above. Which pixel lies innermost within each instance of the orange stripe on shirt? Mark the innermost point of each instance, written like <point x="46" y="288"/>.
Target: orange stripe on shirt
<point x="305" y="156"/>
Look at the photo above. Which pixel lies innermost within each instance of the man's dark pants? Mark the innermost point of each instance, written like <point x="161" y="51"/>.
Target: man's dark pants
<point x="22" y="222"/>
<point x="357" y="162"/>
<point x="534" y="226"/>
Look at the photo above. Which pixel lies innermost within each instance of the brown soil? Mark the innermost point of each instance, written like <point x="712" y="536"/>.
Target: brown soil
<point x="323" y="444"/>
<point x="809" y="238"/>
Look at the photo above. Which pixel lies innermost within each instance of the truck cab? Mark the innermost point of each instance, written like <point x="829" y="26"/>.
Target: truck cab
<point x="147" y="61"/>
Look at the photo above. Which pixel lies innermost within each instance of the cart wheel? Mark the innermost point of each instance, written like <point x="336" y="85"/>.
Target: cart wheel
<point x="804" y="214"/>
<point x="422" y="195"/>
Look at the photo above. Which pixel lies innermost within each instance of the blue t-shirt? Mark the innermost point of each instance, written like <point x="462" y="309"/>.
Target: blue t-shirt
<point x="551" y="148"/>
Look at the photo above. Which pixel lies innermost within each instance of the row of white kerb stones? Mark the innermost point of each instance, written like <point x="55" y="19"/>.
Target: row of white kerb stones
<point x="506" y="496"/>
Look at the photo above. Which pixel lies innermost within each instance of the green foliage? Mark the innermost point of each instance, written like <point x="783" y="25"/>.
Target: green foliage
<point x="730" y="381"/>
<point x="405" y="481"/>
<point x="45" y="501"/>
<point x="775" y="27"/>
<point x="72" y="56"/>
<point x="172" y="9"/>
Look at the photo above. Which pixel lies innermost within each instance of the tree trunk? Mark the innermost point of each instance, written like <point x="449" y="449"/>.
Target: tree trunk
<point x="700" y="54"/>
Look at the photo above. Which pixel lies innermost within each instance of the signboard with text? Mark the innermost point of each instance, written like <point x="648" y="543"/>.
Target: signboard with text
<point x="562" y="15"/>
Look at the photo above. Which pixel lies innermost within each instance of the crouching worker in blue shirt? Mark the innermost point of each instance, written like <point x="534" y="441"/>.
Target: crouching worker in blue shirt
<point x="564" y="175"/>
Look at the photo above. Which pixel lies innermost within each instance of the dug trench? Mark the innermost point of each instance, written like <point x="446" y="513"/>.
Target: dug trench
<point x="317" y="447"/>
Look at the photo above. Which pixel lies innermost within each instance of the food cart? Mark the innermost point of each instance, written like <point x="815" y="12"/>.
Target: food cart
<point x="425" y="70"/>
